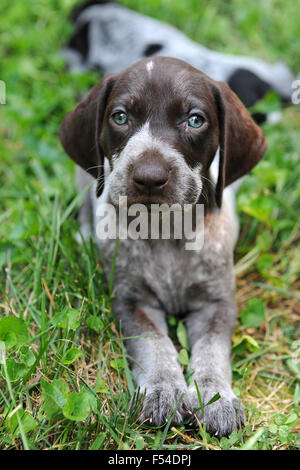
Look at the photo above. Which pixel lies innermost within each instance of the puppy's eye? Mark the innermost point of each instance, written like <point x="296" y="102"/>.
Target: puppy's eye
<point x="195" y="121"/>
<point x="120" y="118"/>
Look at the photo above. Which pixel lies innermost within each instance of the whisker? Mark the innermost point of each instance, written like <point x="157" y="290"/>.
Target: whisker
<point x="96" y="166"/>
<point x="209" y="180"/>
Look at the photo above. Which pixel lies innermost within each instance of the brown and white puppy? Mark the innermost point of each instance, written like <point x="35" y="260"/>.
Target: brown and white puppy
<point x="151" y="133"/>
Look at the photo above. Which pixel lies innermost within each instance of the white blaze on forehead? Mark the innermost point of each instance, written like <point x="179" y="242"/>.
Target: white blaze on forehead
<point x="149" y="66"/>
<point x="144" y="140"/>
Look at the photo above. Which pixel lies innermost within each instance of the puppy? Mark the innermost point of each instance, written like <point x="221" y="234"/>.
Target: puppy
<point x="150" y="133"/>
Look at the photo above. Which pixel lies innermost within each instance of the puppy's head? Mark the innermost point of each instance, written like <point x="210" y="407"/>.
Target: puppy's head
<point x="159" y="123"/>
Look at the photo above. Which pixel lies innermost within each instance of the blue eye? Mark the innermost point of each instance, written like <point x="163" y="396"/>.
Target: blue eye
<point x="120" y="118"/>
<point x="195" y="121"/>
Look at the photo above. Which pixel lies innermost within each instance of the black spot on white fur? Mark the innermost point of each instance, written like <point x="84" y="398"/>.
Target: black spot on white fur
<point x="259" y="118"/>
<point x="248" y="86"/>
<point x="152" y="49"/>
<point x="79" y="41"/>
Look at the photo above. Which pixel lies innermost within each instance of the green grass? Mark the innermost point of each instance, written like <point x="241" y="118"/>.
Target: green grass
<point x="66" y="381"/>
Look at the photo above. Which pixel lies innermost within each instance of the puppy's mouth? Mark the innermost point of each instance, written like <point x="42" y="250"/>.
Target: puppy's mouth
<point x="129" y="199"/>
<point x="147" y="201"/>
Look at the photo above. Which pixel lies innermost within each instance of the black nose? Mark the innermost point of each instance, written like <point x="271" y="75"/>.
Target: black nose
<point x="150" y="177"/>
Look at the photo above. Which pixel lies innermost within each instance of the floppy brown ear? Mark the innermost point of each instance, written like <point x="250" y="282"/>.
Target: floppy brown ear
<point x="80" y="129"/>
<point x="242" y="142"/>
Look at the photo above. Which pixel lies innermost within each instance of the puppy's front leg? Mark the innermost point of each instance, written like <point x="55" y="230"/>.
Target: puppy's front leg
<point x="156" y="370"/>
<point x="210" y="333"/>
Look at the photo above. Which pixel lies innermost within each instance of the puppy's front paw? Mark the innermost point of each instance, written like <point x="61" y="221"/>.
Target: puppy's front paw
<point x="220" y="417"/>
<point x="159" y="402"/>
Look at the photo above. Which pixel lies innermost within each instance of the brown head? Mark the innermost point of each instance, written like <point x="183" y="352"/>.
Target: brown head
<point x="159" y="124"/>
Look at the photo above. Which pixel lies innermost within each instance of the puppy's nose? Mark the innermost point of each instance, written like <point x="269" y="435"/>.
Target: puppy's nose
<point x="150" y="177"/>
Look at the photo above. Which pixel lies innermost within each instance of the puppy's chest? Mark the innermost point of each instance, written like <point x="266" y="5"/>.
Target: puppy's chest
<point x="164" y="275"/>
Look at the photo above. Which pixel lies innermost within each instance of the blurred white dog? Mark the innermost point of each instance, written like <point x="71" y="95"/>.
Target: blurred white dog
<point x="110" y="37"/>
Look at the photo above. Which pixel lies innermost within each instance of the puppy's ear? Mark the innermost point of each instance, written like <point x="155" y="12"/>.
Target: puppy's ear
<point x="80" y="130"/>
<point x="242" y="142"/>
